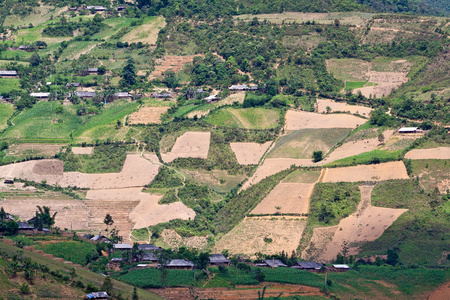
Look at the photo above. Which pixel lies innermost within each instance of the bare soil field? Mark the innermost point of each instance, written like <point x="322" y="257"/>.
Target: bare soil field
<point x="147" y="115"/>
<point x="248" y="237"/>
<point x="148" y="212"/>
<point x="356" y="147"/>
<point x="322" y="105"/>
<point x="367" y="224"/>
<point x="21" y="150"/>
<point x="289" y="197"/>
<point x="272" y="166"/>
<point x="249" y="153"/>
<point x="433" y="153"/>
<point x="387" y="81"/>
<point x="296" y="120"/>
<point x="170" y="62"/>
<point x="136" y="171"/>
<point x="239" y="292"/>
<point x="175" y="241"/>
<point x="146" y="33"/>
<point x="348" y="18"/>
<point x="441" y="293"/>
<point x="377" y="172"/>
<point x="190" y="144"/>
<point x="82" y="150"/>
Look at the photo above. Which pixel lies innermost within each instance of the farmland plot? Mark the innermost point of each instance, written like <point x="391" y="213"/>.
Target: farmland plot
<point x="433" y="153"/>
<point x="377" y="172"/>
<point x="190" y="144"/>
<point x="322" y="105"/>
<point x="296" y="120"/>
<point x="146" y="33"/>
<point x="147" y="115"/>
<point x="82" y="150"/>
<point x="249" y="153"/>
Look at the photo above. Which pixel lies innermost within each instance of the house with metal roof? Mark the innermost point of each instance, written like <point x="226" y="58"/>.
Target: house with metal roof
<point x="85" y="94"/>
<point x="25" y="227"/>
<point x="8" y="73"/>
<point x="308" y="266"/>
<point x="238" y="87"/>
<point x="74" y="84"/>
<point x="149" y="247"/>
<point x="180" y="264"/>
<point x="122" y="247"/>
<point x="212" y="98"/>
<point x="97" y="296"/>
<point x="40" y="95"/>
<point x="100" y="238"/>
<point x="96" y="8"/>
<point x="92" y="70"/>
<point x="122" y="95"/>
<point x="410" y="130"/>
<point x="272" y="263"/>
<point x="341" y="268"/>
<point x="218" y="260"/>
<point x="151" y="257"/>
<point x="161" y="95"/>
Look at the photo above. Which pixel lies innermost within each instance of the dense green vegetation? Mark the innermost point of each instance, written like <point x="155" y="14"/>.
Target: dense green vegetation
<point x="75" y="252"/>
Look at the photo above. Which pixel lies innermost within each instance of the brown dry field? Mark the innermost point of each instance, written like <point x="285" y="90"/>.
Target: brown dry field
<point x="82" y="150"/>
<point x="238" y="292"/>
<point x="290" y="197"/>
<point x="342" y="107"/>
<point x="387" y="81"/>
<point x="236" y="97"/>
<point x="356" y="147"/>
<point x="366" y="224"/>
<point x="175" y="241"/>
<point x="170" y="62"/>
<point x="147" y="115"/>
<point x="296" y="120"/>
<point x="190" y="144"/>
<point x="136" y="172"/>
<point x="401" y="141"/>
<point x="433" y="153"/>
<point x="441" y="293"/>
<point x="249" y="153"/>
<point x="34" y="149"/>
<point x="378" y="172"/>
<point x="248" y="236"/>
<point x="148" y="212"/>
<point x="146" y="33"/>
<point x="272" y="166"/>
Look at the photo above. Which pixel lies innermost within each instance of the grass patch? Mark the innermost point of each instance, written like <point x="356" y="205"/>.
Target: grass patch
<point x="431" y="172"/>
<point x="151" y="278"/>
<point x="9" y="84"/>
<point x="302" y="176"/>
<point x="368" y="158"/>
<point x="302" y="143"/>
<point x="351" y="85"/>
<point x="6" y="111"/>
<point x="71" y="251"/>
<point x="249" y="118"/>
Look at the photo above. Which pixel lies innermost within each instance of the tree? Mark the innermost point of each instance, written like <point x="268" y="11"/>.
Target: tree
<point x="101" y="70"/>
<point x="135" y="295"/>
<point x="163" y="260"/>
<point x="381" y="138"/>
<point x="43" y="218"/>
<point x="108" y="221"/>
<point x="129" y="73"/>
<point x="35" y="59"/>
<point x="201" y="261"/>
<point x="171" y="80"/>
<point x="107" y="285"/>
<point x="317" y="156"/>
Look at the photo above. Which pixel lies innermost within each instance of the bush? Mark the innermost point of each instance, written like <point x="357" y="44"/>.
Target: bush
<point x="317" y="156"/>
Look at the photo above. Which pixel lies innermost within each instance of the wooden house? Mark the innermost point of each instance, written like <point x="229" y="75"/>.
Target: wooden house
<point x="272" y="263"/>
<point x="180" y="264"/>
<point x="149" y="248"/>
<point x="218" y="260"/>
<point x="25" y="228"/>
<point x="308" y="266"/>
<point x="122" y="247"/>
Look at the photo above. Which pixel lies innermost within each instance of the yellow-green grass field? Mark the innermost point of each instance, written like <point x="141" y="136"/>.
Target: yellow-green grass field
<point x="249" y="118"/>
<point x="6" y="111"/>
<point x="9" y="84"/>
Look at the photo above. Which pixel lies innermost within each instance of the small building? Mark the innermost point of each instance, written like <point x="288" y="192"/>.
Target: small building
<point x="96" y="8"/>
<point x="9" y="180"/>
<point x="116" y="261"/>
<point x="272" y="263"/>
<point x="161" y="95"/>
<point x="141" y="266"/>
<point x="212" y="98"/>
<point x="40" y="95"/>
<point x="238" y="87"/>
<point x="49" y="83"/>
<point x="25" y="227"/>
<point x="92" y="70"/>
<point x="122" y="247"/>
<point x="25" y="48"/>
<point x="341" y="268"/>
<point x="122" y="95"/>
<point x="100" y="239"/>
<point x="149" y="247"/>
<point x="74" y="84"/>
<point x="86" y="94"/>
<point x="8" y="73"/>
<point x="218" y="260"/>
<point x="73" y="8"/>
<point x="253" y="88"/>
<point x="121" y="7"/>
<point x="410" y="130"/>
<point x="308" y="266"/>
<point x="149" y="257"/>
<point x="97" y="296"/>
<point x="180" y="264"/>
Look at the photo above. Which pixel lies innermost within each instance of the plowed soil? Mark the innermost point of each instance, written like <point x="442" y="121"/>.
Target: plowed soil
<point x="378" y="172"/>
<point x="342" y="107"/>
<point x="387" y="81"/>
<point x="248" y="237"/>
<point x="433" y="153"/>
<point x="190" y="144"/>
<point x="146" y="33"/>
<point x="170" y="62"/>
<point x="147" y="115"/>
<point x="82" y="150"/>
<point x="249" y="153"/>
<point x="296" y="120"/>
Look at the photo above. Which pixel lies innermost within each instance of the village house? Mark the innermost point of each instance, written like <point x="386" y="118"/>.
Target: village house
<point x="40" y="95"/>
<point x="180" y="264"/>
<point x="308" y="266"/>
<point x="122" y="247"/>
<point x="115" y="263"/>
<point x="410" y="130"/>
<point x="122" y="95"/>
<point x="218" y="260"/>
<point x="212" y="98"/>
<point x="8" y="74"/>
<point x="96" y="8"/>
<point x="121" y="7"/>
<point x="149" y="257"/>
<point x="92" y="70"/>
<point x="25" y="48"/>
<point x="74" y="84"/>
<point x="340" y="268"/>
<point x="161" y="95"/>
<point x="271" y="263"/>
<point x="86" y="94"/>
<point x="97" y="296"/>
<point x="149" y="247"/>
<point x="25" y="228"/>
<point x="100" y="239"/>
<point x="238" y="87"/>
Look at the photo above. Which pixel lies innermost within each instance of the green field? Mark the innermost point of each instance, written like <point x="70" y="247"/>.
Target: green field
<point x="71" y="251"/>
<point x="302" y="143"/>
<point x="368" y="157"/>
<point x="42" y="122"/>
<point x="249" y="118"/>
<point x="9" y="84"/>
<point x="6" y="111"/>
<point x="351" y="85"/>
<point x="103" y="125"/>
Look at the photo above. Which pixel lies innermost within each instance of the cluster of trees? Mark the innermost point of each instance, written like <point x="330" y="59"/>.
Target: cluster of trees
<point x="66" y="28"/>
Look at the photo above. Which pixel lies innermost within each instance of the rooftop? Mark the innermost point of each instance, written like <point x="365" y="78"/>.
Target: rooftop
<point x="274" y="263"/>
<point x="8" y="73"/>
<point x="309" y="265"/>
<point x="180" y="263"/>
<point x="40" y="95"/>
<point x="341" y="266"/>
<point x="122" y="246"/>
<point x="218" y="258"/>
